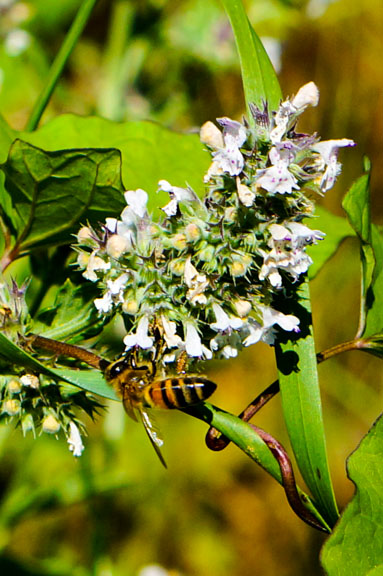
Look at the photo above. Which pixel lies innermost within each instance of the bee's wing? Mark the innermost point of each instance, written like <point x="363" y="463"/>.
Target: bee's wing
<point x="127" y="402"/>
<point x="153" y="433"/>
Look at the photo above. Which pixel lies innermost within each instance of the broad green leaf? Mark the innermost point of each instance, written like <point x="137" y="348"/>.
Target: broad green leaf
<point x="302" y="408"/>
<point x="149" y="152"/>
<point x="90" y="380"/>
<point x="356" y="545"/>
<point x="7" y="136"/>
<point x="259" y="79"/>
<point x="73" y="314"/>
<point x="357" y="206"/>
<point x="53" y="192"/>
<point x="243" y="436"/>
<point x="336" y="229"/>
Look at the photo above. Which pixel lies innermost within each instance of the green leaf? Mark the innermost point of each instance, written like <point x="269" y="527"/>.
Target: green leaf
<point x="90" y="380"/>
<point x="149" y="152"/>
<point x="355" y="546"/>
<point x="73" y="314"/>
<point x="259" y="79"/>
<point x="336" y="229"/>
<point x="302" y="409"/>
<point x="53" y="192"/>
<point x="357" y="206"/>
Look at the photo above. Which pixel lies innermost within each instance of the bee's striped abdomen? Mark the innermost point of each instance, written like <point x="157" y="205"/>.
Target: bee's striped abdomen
<point x="178" y="392"/>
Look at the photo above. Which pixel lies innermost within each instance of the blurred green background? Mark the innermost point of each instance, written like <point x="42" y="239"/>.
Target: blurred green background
<point x="115" y="511"/>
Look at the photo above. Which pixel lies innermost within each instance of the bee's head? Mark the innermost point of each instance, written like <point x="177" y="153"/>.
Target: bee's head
<point x="114" y="369"/>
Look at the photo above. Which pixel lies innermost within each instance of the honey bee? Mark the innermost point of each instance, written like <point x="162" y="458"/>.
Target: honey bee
<point x="138" y="384"/>
<point x="141" y="390"/>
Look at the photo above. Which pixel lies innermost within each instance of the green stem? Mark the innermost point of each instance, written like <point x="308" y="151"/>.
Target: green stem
<point x="60" y="61"/>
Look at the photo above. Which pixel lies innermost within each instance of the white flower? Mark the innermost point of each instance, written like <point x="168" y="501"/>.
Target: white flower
<point x="234" y="133"/>
<point x="328" y="151"/>
<point x="114" y="294"/>
<point x="104" y="304"/>
<point x="95" y="264"/>
<point x="278" y="178"/>
<point x="229" y="158"/>
<point x="227" y="344"/>
<point x="171" y="337"/>
<point x="287" y="252"/>
<point x="177" y="195"/>
<point x="224" y="322"/>
<point x="288" y="110"/>
<point x="255" y="331"/>
<point x="196" y="282"/>
<point x="74" y="440"/>
<point x="137" y="201"/>
<point x="193" y="344"/>
<point x="141" y="337"/>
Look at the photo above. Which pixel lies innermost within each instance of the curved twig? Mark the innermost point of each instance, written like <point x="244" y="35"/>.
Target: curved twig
<point x="288" y="479"/>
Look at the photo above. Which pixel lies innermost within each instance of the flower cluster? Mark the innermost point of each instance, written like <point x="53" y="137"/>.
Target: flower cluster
<point x="203" y="281"/>
<point x="34" y="402"/>
<point x="38" y="404"/>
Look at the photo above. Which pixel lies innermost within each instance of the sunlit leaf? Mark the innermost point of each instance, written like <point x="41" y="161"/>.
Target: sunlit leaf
<point x="259" y="79"/>
<point x="355" y="547"/>
<point x="302" y="408"/>
<point x="149" y="152"/>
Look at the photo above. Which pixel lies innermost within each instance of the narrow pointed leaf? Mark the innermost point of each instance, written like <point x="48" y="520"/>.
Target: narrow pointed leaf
<point x="302" y="409"/>
<point x="90" y="380"/>
<point x="259" y="79"/>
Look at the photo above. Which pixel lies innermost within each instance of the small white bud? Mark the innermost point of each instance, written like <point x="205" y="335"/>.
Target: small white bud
<point x="211" y="136"/>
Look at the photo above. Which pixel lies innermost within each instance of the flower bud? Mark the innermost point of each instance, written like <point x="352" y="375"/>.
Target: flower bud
<point x="192" y="232"/>
<point x="245" y="195"/>
<point x="307" y="95"/>
<point x="116" y="246"/>
<point x="211" y="136"/>
<point x="177" y="266"/>
<point x="83" y="259"/>
<point x="239" y="265"/>
<point x="27" y="423"/>
<point x="84" y="236"/>
<point x="50" y="424"/>
<point x="242" y="307"/>
<point x="11" y="407"/>
<point x="30" y="380"/>
<point x="179" y="241"/>
<point x="231" y="214"/>
<point x="130" y="306"/>
<point x="207" y="253"/>
<point x="14" y="386"/>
